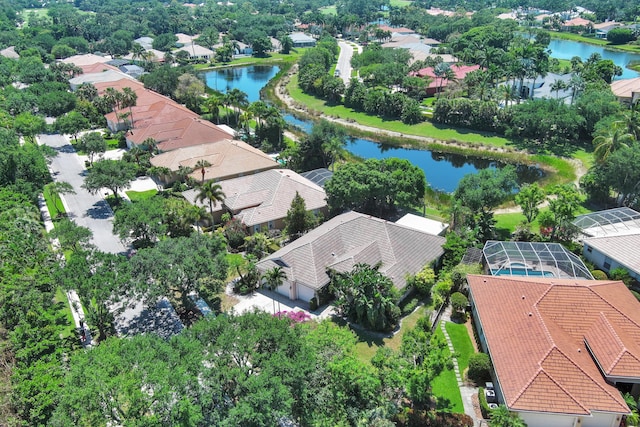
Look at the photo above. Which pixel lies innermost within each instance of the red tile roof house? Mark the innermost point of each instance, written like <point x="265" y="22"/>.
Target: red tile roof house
<point x="559" y="347"/>
<point x="438" y="84"/>
<point x="346" y="240"/>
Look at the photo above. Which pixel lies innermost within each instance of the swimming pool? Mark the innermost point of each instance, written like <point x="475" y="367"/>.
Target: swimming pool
<point x="521" y="272"/>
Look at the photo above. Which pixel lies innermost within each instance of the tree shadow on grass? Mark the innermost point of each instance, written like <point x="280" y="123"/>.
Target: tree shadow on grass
<point x="364" y="336"/>
<point x="442" y="403"/>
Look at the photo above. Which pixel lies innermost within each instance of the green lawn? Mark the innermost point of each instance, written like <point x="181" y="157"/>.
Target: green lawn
<point x="329" y="10"/>
<point x="400" y="3"/>
<point x="55" y="207"/>
<point x="253" y="60"/>
<point x="368" y="342"/>
<point x="506" y="223"/>
<point x="62" y="304"/>
<point x="445" y="388"/>
<point x="461" y="343"/>
<point x="424" y="129"/>
<point x="136" y="196"/>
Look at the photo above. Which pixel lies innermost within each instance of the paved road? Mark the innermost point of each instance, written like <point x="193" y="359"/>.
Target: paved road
<point x="84" y="208"/>
<point x="344" y="61"/>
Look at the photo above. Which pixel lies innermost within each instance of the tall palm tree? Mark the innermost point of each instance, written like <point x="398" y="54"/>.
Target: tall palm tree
<point x="213" y="104"/>
<point x="274" y="278"/>
<point x="212" y="192"/>
<point x="616" y="138"/>
<point x="87" y="91"/>
<point x="557" y="86"/>
<point x="201" y="164"/>
<point x="238" y="99"/>
<point x="129" y="99"/>
<point x="632" y="120"/>
<point x="137" y="51"/>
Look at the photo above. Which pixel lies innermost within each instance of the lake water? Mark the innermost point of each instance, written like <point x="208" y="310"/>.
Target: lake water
<point x="567" y="49"/>
<point x="443" y="171"/>
<point x="250" y="79"/>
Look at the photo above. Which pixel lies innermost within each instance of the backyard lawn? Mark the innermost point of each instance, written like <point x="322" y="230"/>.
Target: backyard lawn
<point x="445" y="387"/>
<point x="136" y="196"/>
<point x="461" y="343"/>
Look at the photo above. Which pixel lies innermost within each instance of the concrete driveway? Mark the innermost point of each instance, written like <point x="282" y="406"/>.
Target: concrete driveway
<point x="344" y="61"/>
<point x="86" y="209"/>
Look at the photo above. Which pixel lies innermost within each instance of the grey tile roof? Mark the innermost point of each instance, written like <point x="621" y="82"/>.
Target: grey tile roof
<point x="353" y="238"/>
<point x="624" y="249"/>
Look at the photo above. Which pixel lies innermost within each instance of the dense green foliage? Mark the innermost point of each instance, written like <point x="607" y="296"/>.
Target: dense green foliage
<point x="377" y="187"/>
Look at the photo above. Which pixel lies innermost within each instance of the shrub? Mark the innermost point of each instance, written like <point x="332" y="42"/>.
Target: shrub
<point x="441" y="290"/>
<point x="459" y="302"/>
<point x="484" y="406"/>
<point x="621" y="274"/>
<point x="423" y="281"/>
<point x="410" y="306"/>
<point x="599" y="275"/>
<point x="479" y="368"/>
<point x="313" y="304"/>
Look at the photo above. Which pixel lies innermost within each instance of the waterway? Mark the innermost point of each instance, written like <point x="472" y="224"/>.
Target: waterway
<point x="443" y="171"/>
<point x="567" y="49"/>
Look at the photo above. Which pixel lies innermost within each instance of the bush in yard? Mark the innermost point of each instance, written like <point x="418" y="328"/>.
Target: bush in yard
<point x="459" y="302"/>
<point x="484" y="406"/>
<point x="479" y="368"/>
<point x="599" y="275"/>
<point x="423" y="280"/>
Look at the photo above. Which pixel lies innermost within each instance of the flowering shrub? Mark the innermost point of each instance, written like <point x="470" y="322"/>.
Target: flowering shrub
<point x="296" y="316"/>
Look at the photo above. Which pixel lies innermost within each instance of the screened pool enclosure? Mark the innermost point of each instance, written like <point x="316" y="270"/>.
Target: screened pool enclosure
<point x="533" y="259"/>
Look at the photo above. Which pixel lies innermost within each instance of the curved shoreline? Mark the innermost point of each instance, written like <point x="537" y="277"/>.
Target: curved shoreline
<point x="510" y="155"/>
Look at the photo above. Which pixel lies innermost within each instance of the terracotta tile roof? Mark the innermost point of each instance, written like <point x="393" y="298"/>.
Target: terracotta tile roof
<point x="351" y="238"/>
<point x="266" y="196"/>
<point x="545" y="336"/>
<point x="460" y="72"/>
<point x="625" y="88"/>
<point x="228" y="159"/>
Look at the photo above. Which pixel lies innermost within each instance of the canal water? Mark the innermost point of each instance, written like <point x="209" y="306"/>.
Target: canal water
<point x="443" y="171"/>
<point x="567" y="49"/>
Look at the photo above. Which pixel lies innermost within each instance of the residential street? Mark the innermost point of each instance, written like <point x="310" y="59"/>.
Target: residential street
<point x="344" y="61"/>
<point x="86" y="209"/>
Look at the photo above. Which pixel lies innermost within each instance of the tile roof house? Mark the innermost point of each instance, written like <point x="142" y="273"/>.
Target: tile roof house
<point x="302" y="40"/>
<point x="559" y="346"/>
<point x="576" y="22"/>
<point x="437" y="83"/>
<point x="228" y="159"/>
<point x="626" y="90"/>
<point x="345" y="241"/>
<point x="261" y="200"/>
<point x="196" y="51"/>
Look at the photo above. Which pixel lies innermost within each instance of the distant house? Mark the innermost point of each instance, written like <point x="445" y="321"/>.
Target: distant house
<point x="609" y="253"/>
<point x="603" y="28"/>
<point x="196" y="51"/>
<point x="437" y="228"/>
<point x="145" y="42"/>
<point x="261" y="200"/>
<point x="346" y="240"/>
<point x="243" y="49"/>
<point x="132" y="70"/>
<point x="227" y="158"/>
<point x="438" y="83"/>
<point x="397" y="30"/>
<point x="108" y="76"/>
<point x="559" y="347"/>
<point x="626" y="90"/>
<point x="576" y="22"/>
<point x="302" y="40"/>
<point x="10" y="52"/>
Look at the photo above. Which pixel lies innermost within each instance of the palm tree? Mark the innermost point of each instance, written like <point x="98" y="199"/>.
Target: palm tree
<point x="201" y="164"/>
<point x="150" y="144"/>
<point x="333" y="150"/>
<point x="87" y="91"/>
<point x="213" y="104"/>
<point x="212" y="192"/>
<point x="274" y="278"/>
<point x="137" y="51"/>
<point x="557" y="86"/>
<point x="57" y="188"/>
<point x="632" y="120"/>
<point x="502" y="417"/>
<point x="238" y="99"/>
<point x="613" y="140"/>
<point x="129" y="99"/>
<point x="577" y="85"/>
<point x="197" y="214"/>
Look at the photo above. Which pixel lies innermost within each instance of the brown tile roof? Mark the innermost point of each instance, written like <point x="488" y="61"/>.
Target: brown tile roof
<point x="266" y="196"/>
<point x="228" y="159"/>
<point x="353" y="238"/>
<point x="625" y="88"/>
<point x="544" y="334"/>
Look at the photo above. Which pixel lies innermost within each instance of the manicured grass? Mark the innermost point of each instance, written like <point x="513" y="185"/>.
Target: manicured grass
<point x="136" y="196"/>
<point x="445" y="388"/>
<point x="254" y="60"/>
<point x="62" y="304"/>
<point x="509" y="222"/>
<point x="368" y="342"/>
<point x="112" y="144"/>
<point x="400" y="3"/>
<point x="55" y="207"/>
<point x="461" y="343"/>
<point x="424" y="129"/>
<point x="329" y="10"/>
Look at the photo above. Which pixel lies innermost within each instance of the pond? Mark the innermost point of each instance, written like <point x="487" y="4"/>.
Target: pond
<point x="567" y="49"/>
<point x="443" y="171"/>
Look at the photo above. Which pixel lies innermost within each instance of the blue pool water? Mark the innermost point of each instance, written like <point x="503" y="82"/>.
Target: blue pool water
<point x="522" y="272"/>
